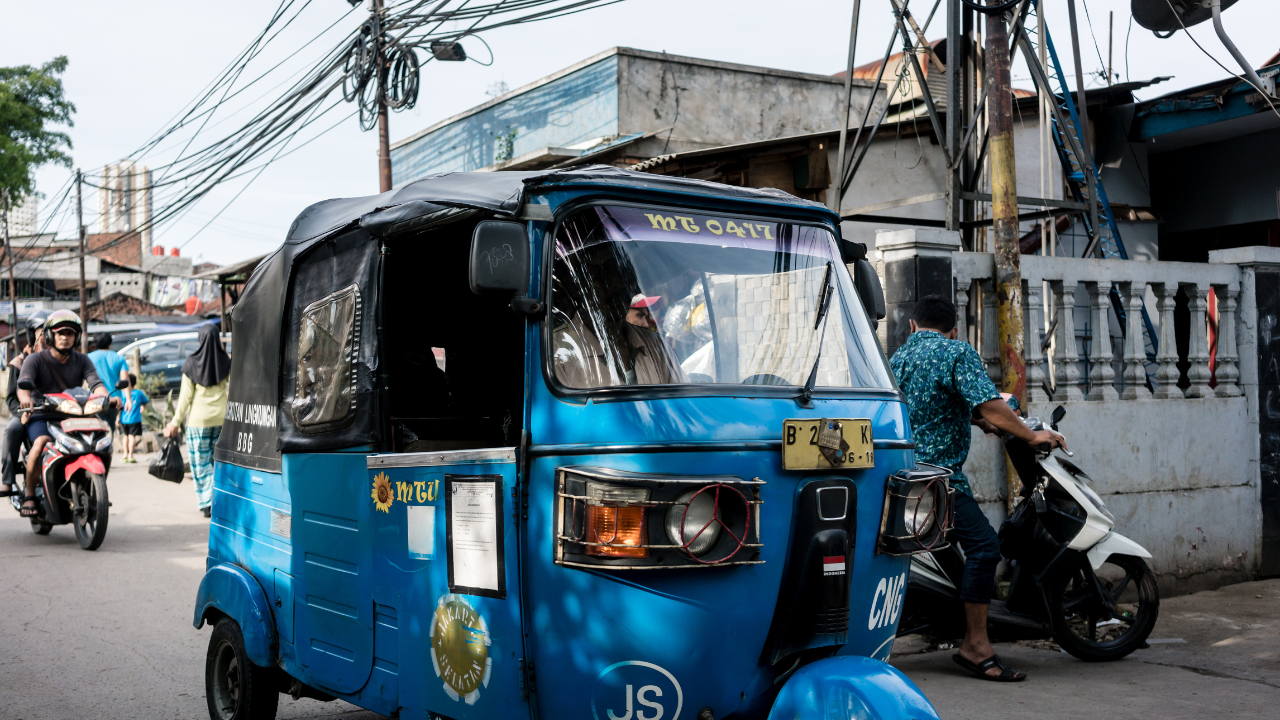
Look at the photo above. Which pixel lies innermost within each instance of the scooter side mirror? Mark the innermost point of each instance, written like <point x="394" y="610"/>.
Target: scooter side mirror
<point x="1058" y="413"/>
<point x="122" y="384"/>
<point x="26" y="385"/>
<point x="500" y="262"/>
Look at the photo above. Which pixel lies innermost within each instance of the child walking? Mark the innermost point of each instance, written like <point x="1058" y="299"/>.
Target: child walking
<point x="131" y="416"/>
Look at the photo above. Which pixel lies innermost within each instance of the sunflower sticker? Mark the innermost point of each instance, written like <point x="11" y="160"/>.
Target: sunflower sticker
<point x="382" y="495"/>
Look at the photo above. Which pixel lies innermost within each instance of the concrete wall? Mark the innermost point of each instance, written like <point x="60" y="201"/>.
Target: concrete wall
<point x="709" y="104"/>
<point x="1175" y="473"/>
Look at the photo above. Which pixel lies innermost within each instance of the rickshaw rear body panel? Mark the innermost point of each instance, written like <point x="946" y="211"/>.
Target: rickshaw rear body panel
<point x="354" y="552"/>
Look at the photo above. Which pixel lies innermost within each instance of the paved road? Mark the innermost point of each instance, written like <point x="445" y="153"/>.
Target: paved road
<point x="112" y="631"/>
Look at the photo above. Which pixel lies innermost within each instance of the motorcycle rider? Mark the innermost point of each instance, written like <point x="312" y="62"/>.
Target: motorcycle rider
<point x="945" y="381"/>
<point x="54" y="369"/>
<point x="15" y="433"/>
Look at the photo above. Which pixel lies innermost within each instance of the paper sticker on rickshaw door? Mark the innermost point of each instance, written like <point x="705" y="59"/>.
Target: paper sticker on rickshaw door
<point x="473" y="507"/>
<point x="825" y="443"/>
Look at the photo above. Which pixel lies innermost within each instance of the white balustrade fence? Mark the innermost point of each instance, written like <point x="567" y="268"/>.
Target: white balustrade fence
<point x="1112" y="363"/>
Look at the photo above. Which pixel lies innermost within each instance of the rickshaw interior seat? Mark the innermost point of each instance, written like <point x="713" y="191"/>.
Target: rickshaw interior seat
<point x="455" y="360"/>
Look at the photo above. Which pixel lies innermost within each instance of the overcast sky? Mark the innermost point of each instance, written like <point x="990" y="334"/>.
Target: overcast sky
<point x="135" y="63"/>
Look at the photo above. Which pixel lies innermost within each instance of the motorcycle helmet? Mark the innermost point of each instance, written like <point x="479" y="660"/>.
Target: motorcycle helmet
<point x="35" y="322"/>
<point x="60" y="319"/>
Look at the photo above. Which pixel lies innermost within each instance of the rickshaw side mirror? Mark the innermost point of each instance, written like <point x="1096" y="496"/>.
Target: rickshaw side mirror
<point x="869" y="289"/>
<point x="499" y="258"/>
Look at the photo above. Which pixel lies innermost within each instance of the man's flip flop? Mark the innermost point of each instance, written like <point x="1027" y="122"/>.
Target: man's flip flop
<point x="980" y="669"/>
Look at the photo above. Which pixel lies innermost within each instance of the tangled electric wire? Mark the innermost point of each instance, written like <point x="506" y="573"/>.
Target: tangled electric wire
<point x="379" y="71"/>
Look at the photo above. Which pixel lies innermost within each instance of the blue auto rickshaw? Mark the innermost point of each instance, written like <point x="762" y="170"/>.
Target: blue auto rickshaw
<point x="583" y="443"/>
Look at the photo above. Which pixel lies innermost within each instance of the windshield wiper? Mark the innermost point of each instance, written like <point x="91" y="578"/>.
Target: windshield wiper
<point x="824" y="302"/>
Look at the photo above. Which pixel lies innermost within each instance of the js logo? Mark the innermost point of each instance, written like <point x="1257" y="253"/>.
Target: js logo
<point x="636" y="690"/>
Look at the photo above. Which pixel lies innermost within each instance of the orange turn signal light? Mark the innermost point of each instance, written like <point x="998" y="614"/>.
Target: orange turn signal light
<point x="619" y="527"/>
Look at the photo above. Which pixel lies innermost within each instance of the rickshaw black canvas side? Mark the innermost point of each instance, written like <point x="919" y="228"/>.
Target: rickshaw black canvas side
<point x="336" y="277"/>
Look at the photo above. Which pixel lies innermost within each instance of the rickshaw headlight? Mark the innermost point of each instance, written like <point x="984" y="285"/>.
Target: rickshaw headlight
<point x="614" y="522"/>
<point x="918" y="510"/>
<point x="700" y="528"/>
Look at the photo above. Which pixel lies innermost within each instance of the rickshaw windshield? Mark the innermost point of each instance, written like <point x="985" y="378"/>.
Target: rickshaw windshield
<point x="655" y="297"/>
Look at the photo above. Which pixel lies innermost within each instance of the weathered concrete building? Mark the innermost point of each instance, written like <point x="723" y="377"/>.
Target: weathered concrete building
<point x="623" y="106"/>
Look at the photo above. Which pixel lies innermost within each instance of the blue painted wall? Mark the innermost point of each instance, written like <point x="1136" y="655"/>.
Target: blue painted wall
<point x="577" y="107"/>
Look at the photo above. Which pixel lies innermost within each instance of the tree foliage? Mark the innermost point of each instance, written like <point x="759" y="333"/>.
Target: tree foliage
<point x="32" y="102"/>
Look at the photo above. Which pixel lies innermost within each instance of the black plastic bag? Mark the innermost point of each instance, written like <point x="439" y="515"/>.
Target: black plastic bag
<point x="168" y="464"/>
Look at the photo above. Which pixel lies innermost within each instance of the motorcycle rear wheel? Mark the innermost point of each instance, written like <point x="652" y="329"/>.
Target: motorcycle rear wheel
<point x="1128" y="583"/>
<point x="234" y="687"/>
<point x="91" y="527"/>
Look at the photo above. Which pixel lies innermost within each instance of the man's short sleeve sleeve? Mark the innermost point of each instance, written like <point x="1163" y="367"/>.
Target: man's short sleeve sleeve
<point x="971" y="380"/>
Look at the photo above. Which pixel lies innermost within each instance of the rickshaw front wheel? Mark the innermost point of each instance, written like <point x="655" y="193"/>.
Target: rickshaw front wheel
<point x="234" y="687"/>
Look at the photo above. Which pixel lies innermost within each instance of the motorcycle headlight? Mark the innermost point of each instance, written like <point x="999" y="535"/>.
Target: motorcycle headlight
<point x="700" y="530"/>
<point x="103" y="444"/>
<point x="70" y="407"/>
<point x="918" y="510"/>
<point x="94" y="406"/>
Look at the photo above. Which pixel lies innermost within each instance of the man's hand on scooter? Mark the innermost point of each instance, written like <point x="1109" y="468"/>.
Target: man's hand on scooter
<point x="1045" y="440"/>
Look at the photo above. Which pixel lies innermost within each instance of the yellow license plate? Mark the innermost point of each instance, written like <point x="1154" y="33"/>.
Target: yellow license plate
<point x="803" y="442"/>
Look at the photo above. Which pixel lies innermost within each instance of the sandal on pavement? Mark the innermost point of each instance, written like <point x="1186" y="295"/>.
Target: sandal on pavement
<point x="31" y="510"/>
<point x="980" y="669"/>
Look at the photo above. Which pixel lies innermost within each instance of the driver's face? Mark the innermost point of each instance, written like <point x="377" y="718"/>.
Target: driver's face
<point x="64" y="339"/>
<point x="641" y="317"/>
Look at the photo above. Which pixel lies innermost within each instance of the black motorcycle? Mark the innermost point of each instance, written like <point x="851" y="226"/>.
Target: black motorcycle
<point x="1070" y="577"/>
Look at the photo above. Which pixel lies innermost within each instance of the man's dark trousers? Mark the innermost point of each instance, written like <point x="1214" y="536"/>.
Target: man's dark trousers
<point x="981" y="548"/>
<point x="14" y="434"/>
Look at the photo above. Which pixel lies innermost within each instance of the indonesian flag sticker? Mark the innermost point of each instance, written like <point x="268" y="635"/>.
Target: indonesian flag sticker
<point x="833" y="565"/>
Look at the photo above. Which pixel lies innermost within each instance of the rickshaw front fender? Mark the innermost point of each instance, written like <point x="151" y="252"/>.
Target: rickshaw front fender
<point x="847" y="687"/>
<point x="232" y="591"/>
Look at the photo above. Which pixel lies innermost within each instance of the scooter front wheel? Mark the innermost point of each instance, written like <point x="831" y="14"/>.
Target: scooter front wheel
<point x="91" y="525"/>
<point x="40" y="527"/>
<point x="1105" y="614"/>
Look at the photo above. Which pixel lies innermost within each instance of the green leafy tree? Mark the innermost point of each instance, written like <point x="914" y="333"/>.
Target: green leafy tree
<point x="32" y="102"/>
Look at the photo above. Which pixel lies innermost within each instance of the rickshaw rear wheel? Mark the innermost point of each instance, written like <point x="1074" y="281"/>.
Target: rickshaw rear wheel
<point x="234" y="687"/>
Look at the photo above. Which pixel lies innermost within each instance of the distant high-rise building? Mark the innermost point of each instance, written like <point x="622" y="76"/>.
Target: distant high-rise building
<point x="23" y="217"/>
<point x="125" y="201"/>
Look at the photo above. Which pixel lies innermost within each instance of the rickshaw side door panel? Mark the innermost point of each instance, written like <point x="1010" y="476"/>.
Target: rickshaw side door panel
<point x="443" y="523"/>
<point x="332" y="569"/>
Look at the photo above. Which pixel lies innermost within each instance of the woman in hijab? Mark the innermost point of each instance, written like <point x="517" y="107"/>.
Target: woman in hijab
<point x="203" y="402"/>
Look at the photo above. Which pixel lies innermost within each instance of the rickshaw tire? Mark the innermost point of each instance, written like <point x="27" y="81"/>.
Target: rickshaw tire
<point x="39" y="527"/>
<point x="257" y="692"/>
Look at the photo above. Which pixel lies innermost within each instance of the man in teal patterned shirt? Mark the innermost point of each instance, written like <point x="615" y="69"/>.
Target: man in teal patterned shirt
<point x="945" y="383"/>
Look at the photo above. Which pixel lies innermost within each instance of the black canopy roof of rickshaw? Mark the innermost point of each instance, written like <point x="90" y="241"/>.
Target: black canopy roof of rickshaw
<point x="504" y="193"/>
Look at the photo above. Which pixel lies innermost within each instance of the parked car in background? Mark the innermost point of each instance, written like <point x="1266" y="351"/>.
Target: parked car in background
<point x="165" y="354"/>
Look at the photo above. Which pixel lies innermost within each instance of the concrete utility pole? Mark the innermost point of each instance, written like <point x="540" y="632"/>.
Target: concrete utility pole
<point x="84" y="334"/>
<point x="1004" y="214"/>
<point x="384" y="130"/>
<point x="8" y="251"/>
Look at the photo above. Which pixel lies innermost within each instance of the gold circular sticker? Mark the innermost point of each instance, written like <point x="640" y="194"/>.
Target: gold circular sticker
<point x="460" y="648"/>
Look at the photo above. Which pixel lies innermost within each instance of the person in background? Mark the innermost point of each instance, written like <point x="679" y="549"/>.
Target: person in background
<point x="111" y="370"/>
<point x="203" y="403"/>
<point x="131" y="416"/>
<point x="16" y="432"/>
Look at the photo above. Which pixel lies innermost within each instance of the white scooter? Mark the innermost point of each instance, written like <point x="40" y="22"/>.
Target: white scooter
<point x="1070" y="575"/>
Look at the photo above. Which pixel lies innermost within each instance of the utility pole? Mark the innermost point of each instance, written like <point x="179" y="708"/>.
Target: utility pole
<point x="1004" y="214"/>
<point x="84" y="334"/>
<point x="835" y="201"/>
<point x="8" y="251"/>
<point x="1111" y="36"/>
<point x="384" y="130"/>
